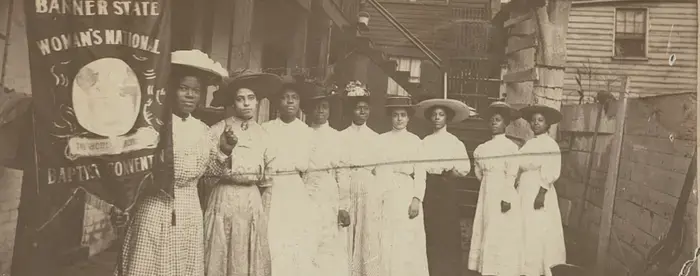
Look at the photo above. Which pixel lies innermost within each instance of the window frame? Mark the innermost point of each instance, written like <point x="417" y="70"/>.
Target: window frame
<point x="647" y="25"/>
<point x="397" y="59"/>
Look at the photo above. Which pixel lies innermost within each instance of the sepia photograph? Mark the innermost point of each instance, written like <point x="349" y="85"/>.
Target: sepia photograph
<point x="349" y="137"/>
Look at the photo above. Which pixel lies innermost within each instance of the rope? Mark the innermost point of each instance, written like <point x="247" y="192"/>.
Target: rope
<point x="688" y="265"/>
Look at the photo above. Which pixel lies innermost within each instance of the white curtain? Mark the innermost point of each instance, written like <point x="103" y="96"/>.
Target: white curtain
<point x="404" y="64"/>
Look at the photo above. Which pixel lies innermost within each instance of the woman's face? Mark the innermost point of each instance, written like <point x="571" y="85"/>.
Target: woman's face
<point x="320" y="112"/>
<point x="245" y="103"/>
<point x="538" y="124"/>
<point x="188" y="94"/>
<point x="438" y="117"/>
<point x="361" y="113"/>
<point x="497" y="124"/>
<point x="289" y="103"/>
<point x="399" y="118"/>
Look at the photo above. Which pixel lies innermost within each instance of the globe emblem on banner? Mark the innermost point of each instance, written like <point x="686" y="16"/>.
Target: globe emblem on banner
<point x="106" y="97"/>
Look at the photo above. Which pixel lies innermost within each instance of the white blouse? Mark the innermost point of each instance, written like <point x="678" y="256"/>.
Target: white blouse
<point x="442" y="151"/>
<point x="362" y="147"/>
<point x="289" y="146"/>
<point x="499" y="157"/>
<point x="328" y="155"/>
<point x="542" y="153"/>
<point x="402" y="154"/>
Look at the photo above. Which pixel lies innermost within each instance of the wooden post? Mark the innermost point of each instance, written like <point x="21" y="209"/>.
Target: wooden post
<point x="611" y="182"/>
<point x="296" y="61"/>
<point x="239" y="51"/>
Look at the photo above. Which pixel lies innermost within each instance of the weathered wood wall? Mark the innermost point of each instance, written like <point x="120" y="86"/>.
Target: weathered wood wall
<point x="590" y="44"/>
<point x="651" y="175"/>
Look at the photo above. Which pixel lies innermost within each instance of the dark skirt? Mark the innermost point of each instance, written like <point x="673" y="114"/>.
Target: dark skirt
<point x="442" y="228"/>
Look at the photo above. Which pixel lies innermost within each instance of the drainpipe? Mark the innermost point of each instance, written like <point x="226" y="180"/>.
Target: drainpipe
<point x="8" y="35"/>
<point x="697" y="17"/>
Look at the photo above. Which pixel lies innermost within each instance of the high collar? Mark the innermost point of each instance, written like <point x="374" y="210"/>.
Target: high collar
<point x="182" y="119"/>
<point x="293" y="122"/>
<point x="500" y="136"/>
<point x="358" y="127"/>
<point x="441" y="131"/>
<point x="539" y="136"/>
<point x="398" y="131"/>
<point x="321" y="126"/>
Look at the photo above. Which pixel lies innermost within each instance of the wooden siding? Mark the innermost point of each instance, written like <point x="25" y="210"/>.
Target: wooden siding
<point x="430" y="23"/>
<point x="590" y="50"/>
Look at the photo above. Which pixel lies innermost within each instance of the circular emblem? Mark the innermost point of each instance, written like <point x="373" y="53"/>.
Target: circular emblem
<point x="106" y="97"/>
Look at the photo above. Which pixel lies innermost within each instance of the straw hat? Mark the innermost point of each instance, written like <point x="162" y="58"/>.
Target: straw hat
<point x="552" y="115"/>
<point x="262" y="84"/>
<point x="196" y="59"/>
<point x="460" y="110"/>
<point x="494" y="107"/>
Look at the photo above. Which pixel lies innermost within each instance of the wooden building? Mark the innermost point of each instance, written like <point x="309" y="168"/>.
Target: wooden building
<point x="655" y="43"/>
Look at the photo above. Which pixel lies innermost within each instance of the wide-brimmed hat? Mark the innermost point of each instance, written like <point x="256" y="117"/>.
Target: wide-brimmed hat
<point x="262" y="84"/>
<point x="503" y="107"/>
<point x="550" y="114"/>
<point x="198" y="60"/>
<point x="460" y="110"/>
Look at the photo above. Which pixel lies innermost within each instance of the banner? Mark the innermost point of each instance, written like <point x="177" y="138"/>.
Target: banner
<point x="99" y="72"/>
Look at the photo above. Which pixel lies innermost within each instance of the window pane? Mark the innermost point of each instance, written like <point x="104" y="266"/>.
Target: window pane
<point x="629" y="47"/>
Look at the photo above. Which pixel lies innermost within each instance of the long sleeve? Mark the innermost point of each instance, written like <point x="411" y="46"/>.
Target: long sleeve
<point x="342" y="173"/>
<point x="419" y="176"/>
<point x="512" y="167"/>
<point x="462" y="163"/>
<point x="477" y="166"/>
<point x="220" y="165"/>
<point x="551" y="164"/>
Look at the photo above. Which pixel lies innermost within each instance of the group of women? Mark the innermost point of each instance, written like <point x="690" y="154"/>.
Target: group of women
<point x="292" y="199"/>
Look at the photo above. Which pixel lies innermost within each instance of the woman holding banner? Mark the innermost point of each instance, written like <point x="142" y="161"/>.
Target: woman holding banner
<point x="235" y="223"/>
<point x="165" y="236"/>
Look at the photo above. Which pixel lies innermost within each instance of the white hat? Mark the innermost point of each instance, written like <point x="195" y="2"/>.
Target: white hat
<point x="461" y="110"/>
<point x="198" y="60"/>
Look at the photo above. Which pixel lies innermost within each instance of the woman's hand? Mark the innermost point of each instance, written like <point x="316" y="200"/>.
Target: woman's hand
<point x="539" y="199"/>
<point x="119" y="218"/>
<point x="227" y="140"/>
<point x="505" y="206"/>
<point x="414" y="208"/>
<point x="343" y="218"/>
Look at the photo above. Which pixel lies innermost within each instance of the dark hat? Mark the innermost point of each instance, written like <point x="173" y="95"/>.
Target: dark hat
<point x="503" y="108"/>
<point x="262" y="84"/>
<point x="552" y="115"/>
<point x="393" y="101"/>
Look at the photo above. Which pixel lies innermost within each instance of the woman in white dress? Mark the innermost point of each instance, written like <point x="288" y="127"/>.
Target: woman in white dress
<point x="164" y="238"/>
<point x="326" y="182"/>
<point x="235" y="236"/>
<point x="292" y="243"/>
<point x="402" y="180"/>
<point x="497" y="233"/>
<point x="446" y="163"/>
<point x="540" y="166"/>
<point x="362" y="148"/>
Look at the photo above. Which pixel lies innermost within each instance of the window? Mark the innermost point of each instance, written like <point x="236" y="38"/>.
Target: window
<point x="404" y="64"/>
<point x="630" y="33"/>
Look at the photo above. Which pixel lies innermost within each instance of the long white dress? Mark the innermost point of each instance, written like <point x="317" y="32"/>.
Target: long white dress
<point x="327" y="185"/>
<point x="363" y="150"/>
<point x="540" y="165"/>
<point x="402" y="178"/>
<point x="292" y="243"/>
<point x="496" y="244"/>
